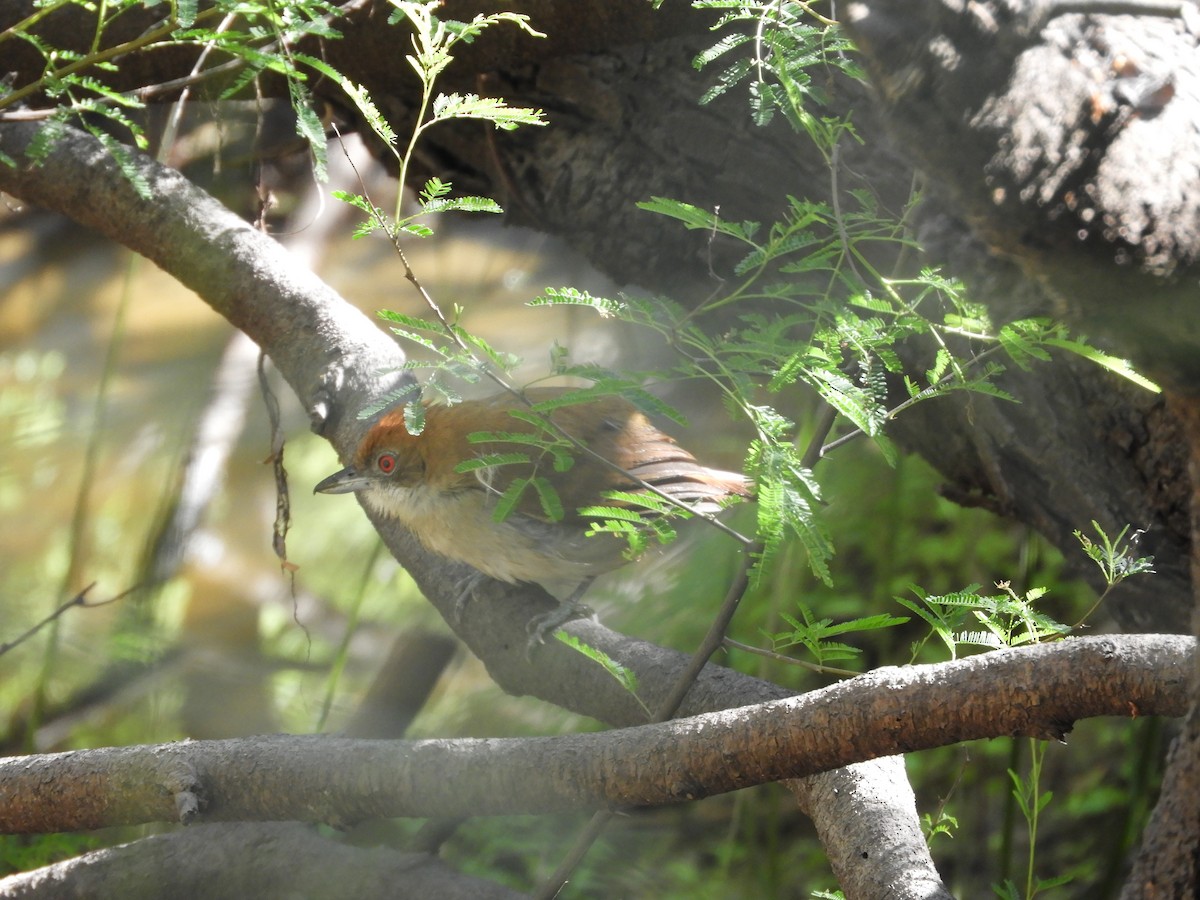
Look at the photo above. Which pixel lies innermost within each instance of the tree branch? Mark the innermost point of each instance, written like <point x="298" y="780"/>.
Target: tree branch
<point x="1036" y="691"/>
<point x="248" y="860"/>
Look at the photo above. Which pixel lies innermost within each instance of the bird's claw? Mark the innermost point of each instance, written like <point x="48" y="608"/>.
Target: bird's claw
<point x="465" y="593"/>
<point x="546" y="623"/>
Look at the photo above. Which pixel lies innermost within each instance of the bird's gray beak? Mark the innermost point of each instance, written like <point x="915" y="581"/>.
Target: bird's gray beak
<point x="347" y="481"/>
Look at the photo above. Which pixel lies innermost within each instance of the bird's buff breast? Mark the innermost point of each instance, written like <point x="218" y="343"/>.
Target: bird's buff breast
<point x="459" y="525"/>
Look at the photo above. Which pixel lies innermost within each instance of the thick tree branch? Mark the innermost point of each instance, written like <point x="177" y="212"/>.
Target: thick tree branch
<point x="1036" y="691"/>
<point x="1069" y="144"/>
<point x="324" y="347"/>
<point x="248" y="860"/>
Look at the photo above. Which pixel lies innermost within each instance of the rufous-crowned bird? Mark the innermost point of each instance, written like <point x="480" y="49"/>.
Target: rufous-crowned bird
<point x="414" y="478"/>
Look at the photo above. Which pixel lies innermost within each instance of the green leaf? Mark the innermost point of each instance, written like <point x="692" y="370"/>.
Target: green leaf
<point x="633" y="534"/>
<point x="490" y="109"/>
<point x="361" y="99"/>
<point x="505" y="362"/>
<point x="613" y="513"/>
<point x="462" y="204"/>
<point x="509" y="500"/>
<point x="619" y="388"/>
<point x="847" y="398"/>
<point x="731" y="41"/>
<point x="867" y="623"/>
<point x="627" y="678"/>
<point x="788" y="502"/>
<point x="125" y="160"/>
<point x="418" y="339"/>
<point x="309" y="127"/>
<point x="356" y="200"/>
<point x="241" y="81"/>
<point x="1016" y="341"/>
<point x="695" y="218"/>
<point x="443" y="393"/>
<point x="814" y="634"/>
<point x="531" y="417"/>
<point x="435" y="188"/>
<point x="102" y="90"/>
<point x="764" y="102"/>
<point x="405" y="393"/>
<point x="569" y="296"/>
<point x="643" y="500"/>
<point x="551" y="503"/>
<point x="416" y="229"/>
<point x="412" y="322"/>
<point x="414" y="417"/>
<point x="727" y="79"/>
<point x="1114" y="556"/>
<point x="1113" y="364"/>
<point x="185" y="12"/>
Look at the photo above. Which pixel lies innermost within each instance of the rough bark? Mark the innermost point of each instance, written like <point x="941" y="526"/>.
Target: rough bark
<point x="1068" y="142"/>
<point x="1037" y="691"/>
<point x="210" y="862"/>
<point x="1168" y="864"/>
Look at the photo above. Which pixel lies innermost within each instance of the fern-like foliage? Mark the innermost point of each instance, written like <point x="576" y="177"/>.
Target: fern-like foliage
<point x="816" y="635"/>
<point x="1006" y="619"/>
<point x="74" y="82"/>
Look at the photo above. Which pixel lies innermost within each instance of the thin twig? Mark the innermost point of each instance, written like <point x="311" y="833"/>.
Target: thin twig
<point x="713" y="638"/>
<point x="816" y="446"/>
<point x="171" y="129"/>
<point x="143" y="40"/>
<point x="551" y="886"/>
<point x="79" y="600"/>
<point x="790" y="660"/>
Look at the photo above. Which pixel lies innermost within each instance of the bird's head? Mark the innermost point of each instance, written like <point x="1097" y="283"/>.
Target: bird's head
<point x="387" y="457"/>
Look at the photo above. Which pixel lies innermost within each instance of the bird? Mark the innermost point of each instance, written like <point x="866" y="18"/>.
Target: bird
<point x="420" y="481"/>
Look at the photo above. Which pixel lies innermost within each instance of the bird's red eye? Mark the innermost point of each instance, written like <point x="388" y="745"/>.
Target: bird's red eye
<point x="386" y="462"/>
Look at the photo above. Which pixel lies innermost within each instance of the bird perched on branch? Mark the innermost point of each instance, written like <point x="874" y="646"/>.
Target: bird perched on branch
<point x="447" y="483"/>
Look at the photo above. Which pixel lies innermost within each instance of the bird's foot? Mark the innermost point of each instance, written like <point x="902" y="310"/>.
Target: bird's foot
<point x="540" y="626"/>
<point x="566" y="611"/>
<point x="465" y="592"/>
